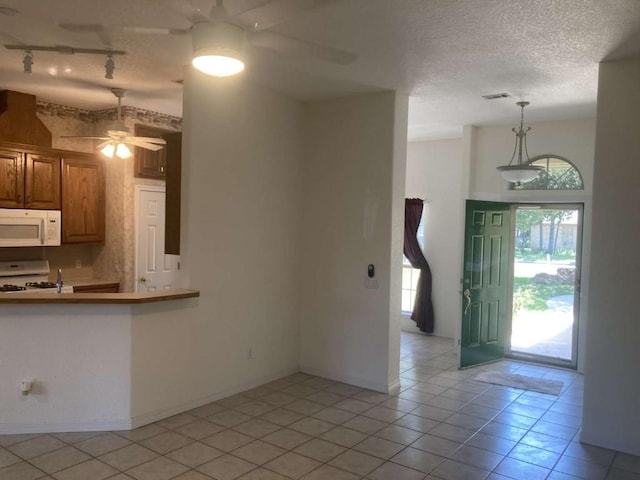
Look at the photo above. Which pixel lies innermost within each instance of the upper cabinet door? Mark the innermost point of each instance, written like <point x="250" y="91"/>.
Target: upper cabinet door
<point x="42" y="182"/>
<point x="83" y="200"/>
<point x="11" y="180"/>
<point x="147" y="163"/>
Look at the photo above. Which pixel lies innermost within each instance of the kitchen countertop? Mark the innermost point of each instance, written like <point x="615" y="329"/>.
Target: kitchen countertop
<point x="104" y="298"/>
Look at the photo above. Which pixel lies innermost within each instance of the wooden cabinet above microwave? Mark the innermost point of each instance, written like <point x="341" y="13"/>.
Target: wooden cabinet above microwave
<point x="29" y="180"/>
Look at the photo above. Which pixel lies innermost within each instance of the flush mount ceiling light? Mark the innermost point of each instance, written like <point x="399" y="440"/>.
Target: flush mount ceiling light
<point x="218" y="48"/>
<point x="520" y="172"/>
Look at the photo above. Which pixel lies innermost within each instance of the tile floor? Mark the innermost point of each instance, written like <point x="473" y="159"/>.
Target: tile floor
<point x="442" y="425"/>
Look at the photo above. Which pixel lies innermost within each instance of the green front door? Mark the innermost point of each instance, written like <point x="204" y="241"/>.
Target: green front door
<point x="485" y="282"/>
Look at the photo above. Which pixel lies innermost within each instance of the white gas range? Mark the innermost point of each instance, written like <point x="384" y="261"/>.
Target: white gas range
<point x="30" y="276"/>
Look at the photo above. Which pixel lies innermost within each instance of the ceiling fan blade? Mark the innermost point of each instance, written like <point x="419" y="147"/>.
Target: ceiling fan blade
<point x="159" y="141"/>
<point x="146" y="145"/>
<point x="101" y="30"/>
<point x="275" y="41"/>
<point x="185" y="9"/>
<point x="271" y="13"/>
<point x="85" y="138"/>
<point x="99" y="147"/>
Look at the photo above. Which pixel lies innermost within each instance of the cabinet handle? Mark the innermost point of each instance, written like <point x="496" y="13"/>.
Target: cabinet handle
<point x="162" y="168"/>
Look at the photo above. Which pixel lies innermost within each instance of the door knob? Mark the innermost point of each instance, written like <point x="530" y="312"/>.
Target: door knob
<point x="467" y="295"/>
<point x="142" y="279"/>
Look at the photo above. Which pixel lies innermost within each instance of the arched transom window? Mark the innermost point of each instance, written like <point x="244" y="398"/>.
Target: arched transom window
<point x="558" y="174"/>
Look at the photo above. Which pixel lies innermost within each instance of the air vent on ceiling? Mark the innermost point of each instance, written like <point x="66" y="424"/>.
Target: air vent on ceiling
<point x="495" y="96"/>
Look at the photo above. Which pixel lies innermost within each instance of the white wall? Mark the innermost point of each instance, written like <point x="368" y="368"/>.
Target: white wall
<point x="351" y="207"/>
<point x="435" y="174"/>
<point x="241" y="223"/>
<point x="79" y="357"/>
<point x="612" y="384"/>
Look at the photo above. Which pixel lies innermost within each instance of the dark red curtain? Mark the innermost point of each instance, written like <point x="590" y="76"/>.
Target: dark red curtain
<point x="423" y="308"/>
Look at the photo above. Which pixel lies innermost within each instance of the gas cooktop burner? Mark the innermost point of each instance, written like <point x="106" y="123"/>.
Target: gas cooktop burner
<point x="40" y="285"/>
<point x="11" y="288"/>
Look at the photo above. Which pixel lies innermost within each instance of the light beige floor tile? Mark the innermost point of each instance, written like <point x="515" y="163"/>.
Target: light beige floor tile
<point x="191" y="475"/>
<point x="281" y="417"/>
<point x="287" y="439"/>
<point x="501" y="430"/>
<point x="388" y="471"/>
<point x="258" y="452"/>
<point x="327" y="472"/>
<point x="304" y="407"/>
<point x="92" y="469"/>
<point x="7" y="458"/>
<point x="591" y="453"/>
<point x="452" y="432"/>
<point x="160" y="468"/>
<point x="6" y="440"/>
<point x="354" y="406"/>
<point x="20" y="471"/>
<point x="614" y="474"/>
<point x="345" y="437"/>
<point x="356" y="462"/>
<point x="319" y="382"/>
<point x="199" y="429"/>
<point x="228" y="440"/>
<point x="229" y="418"/>
<point x="477" y="457"/>
<point x="36" y="446"/>
<point x="319" y="450"/>
<point x="206" y="410"/>
<point x="546" y="442"/>
<point x="398" y="434"/>
<point x="466" y="421"/>
<point x="333" y="415"/>
<point x="142" y="433"/>
<point x="128" y="457"/>
<point x="103" y="443"/>
<point x="59" y="459"/>
<point x="416" y="422"/>
<point x="625" y="461"/>
<point x="417" y="459"/>
<point x="365" y="424"/>
<point x="383" y="414"/>
<point x="256" y="428"/>
<point x="379" y="447"/>
<point x="254" y="408"/>
<point x="581" y="468"/>
<point x="226" y="467"/>
<point x="537" y="456"/>
<point x="433" y="413"/>
<point x="510" y="467"/>
<point x="262" y="474"/>
<point x="311" y="426"/>
<point x="166" y="442"/>
<point x="436" y="445"/>
<point x="176" y="421"/>
<point x="279" y="399"/>
<point x="326" y="398"/>
<point x="233" y="401"/>
<point x="195" y="454"/>
<point x="451" y="470"/>
<point x="300" y="391"/>
<point x="344" y="389"/>
<point x="292" y="465"/>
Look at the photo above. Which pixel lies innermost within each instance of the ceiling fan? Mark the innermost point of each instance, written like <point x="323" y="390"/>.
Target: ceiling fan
<point x="117" y="140"/>
<point x="221" y="36"/>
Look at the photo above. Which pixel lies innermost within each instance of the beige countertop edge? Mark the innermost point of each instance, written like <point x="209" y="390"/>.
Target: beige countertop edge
<point x="105" y="298"/>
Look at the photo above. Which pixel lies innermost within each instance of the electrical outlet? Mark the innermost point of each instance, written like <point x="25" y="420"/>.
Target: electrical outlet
<point x="78" y="263"/>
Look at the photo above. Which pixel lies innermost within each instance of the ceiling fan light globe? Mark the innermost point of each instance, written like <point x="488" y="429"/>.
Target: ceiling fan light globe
<point x="519" y="173"/>
<point x="108" y="150"/>
<point x="218" y="65"/>
<point x="218" y="49"/>
<point x="122" y="151"/>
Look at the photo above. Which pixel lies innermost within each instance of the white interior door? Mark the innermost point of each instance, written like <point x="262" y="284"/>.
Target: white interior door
<point x="154" y="269"/>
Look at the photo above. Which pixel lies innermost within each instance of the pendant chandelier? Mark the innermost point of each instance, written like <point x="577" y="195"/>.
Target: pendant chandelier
<point x="520" y="172"/>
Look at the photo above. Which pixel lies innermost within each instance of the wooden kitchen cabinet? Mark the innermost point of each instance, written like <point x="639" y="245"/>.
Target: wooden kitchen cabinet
<point x="110" y="287"/>
<point x="172" y="193"/>
<point x="83" y="199"/>
<point x="29" y="180"/>
<point x="42" y="181"/>
<point x="11" y="179"/>
<point x="147" y="163"/>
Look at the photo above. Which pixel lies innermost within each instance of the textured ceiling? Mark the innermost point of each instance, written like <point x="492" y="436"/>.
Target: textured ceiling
<point x="445" y="54"/>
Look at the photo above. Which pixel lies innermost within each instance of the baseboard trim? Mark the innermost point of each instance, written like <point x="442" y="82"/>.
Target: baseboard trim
<point x="357" y="381"/>
<point x="138" y="420"/>
<point x="88" y="426"/>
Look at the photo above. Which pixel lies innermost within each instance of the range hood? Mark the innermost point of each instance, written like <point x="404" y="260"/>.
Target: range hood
<point x="19" y="122"/>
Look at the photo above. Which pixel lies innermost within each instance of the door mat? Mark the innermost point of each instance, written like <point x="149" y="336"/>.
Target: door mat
<point x="523" y="382"/>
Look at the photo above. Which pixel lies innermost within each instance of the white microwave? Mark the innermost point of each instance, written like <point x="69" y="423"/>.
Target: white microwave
<point x="29" y="228"/>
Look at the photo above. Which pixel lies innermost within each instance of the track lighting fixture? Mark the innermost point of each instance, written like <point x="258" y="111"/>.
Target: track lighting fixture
<point x="27" y="61"/>
<point x="109" y="67"/>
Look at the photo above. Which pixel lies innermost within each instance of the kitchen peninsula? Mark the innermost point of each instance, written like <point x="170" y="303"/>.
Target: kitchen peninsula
<point x="98" y="361"/>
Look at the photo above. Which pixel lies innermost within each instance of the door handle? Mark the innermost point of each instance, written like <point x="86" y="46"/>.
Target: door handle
<point x="142" y="280"/>
<point x="467" y="295"/>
